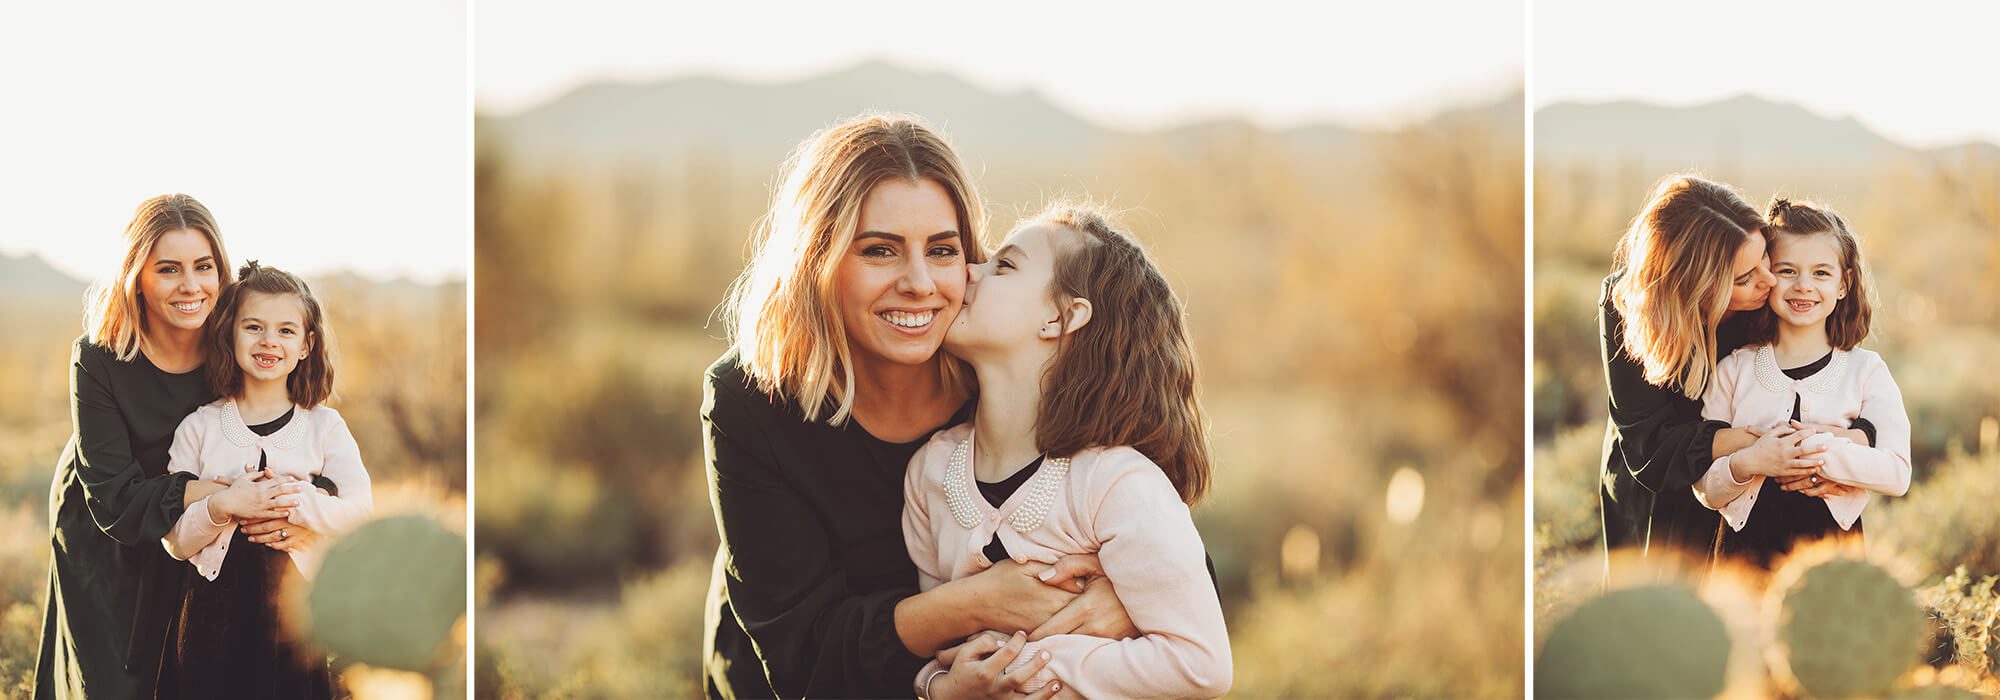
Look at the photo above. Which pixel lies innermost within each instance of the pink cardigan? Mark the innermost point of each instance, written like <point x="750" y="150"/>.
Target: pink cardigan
<point x="1749" y="389"/>
<point x="1114" y="503"/>
<point x="214" y="441"/>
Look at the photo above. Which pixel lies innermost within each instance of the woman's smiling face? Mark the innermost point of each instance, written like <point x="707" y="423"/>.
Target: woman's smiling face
<point x="178" y="284"/>
<point x="899" y="282"/>
<point x="1750" y="286"/>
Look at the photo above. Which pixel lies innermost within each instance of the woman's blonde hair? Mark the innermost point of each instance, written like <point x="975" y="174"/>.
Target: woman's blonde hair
<point x="1679" y="260"/>
<point x="783" y="312"/>
<point x="1847" y="326"/>
<point x="1127" y="377"/>
<point x="113" y="317"/>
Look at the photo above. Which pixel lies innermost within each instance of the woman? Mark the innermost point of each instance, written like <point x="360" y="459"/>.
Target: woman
<point x="834" y="380"/>
<point x="1691" y="264"/>
<point x="114" y="593"/>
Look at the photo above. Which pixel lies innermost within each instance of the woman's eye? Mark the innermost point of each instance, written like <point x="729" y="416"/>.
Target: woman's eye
<point x="877" y="251"/>
<point x="167" y="270"/>
<point x="944" y="251"/>
<point x="204" y="267"/>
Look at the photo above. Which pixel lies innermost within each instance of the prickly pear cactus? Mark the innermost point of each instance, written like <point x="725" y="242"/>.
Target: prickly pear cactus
<point x="1647" y="642"/>
<point x="1846" y="628"/>
<point x="389" y="593"/>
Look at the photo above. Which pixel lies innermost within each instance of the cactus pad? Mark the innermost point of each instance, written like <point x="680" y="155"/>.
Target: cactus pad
<point x="1647" y="642"/>
<point x="1847" y="628"/>
<point x="389" y="593"/>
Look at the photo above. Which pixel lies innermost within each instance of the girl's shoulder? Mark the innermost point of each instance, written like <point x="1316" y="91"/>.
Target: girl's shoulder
<point x="936" y="450"/>
<point x="1097" y="471"/>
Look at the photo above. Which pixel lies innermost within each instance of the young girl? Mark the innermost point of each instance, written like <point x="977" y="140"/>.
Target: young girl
<point x="1088" y="438"/>
<point x="267" y="359"/>
<point x="1803" y="371"/>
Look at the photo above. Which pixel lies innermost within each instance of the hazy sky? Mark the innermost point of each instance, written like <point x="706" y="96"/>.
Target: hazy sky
<point x="323" y="136"/>
<point x="1921" y="72"/>
<point x="1122" y="64"/>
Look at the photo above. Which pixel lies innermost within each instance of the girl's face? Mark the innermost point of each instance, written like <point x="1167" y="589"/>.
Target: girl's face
<point x="271" y="336"/>
<point x="1751" y="287"/>
<point x="1810" y="282"/>
<point x="1008" y="305"/>
<point x="900" y="281"/>
<point x="178" y="284"/>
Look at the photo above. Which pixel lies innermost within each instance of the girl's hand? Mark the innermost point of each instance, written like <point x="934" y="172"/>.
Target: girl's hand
<point x="252" y="498"/>
<point x="1014" y="598"/>
<point x="981" y="671"/>
<point x="1858" y="436"/>
<point x="279" y="534"/>
<point x="1777" y="455"/>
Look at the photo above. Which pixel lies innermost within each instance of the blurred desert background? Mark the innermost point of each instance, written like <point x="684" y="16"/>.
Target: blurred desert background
<point x="1354" y="294"/>
<point x="400" y="355"/>
<point x="1929" y="220"/>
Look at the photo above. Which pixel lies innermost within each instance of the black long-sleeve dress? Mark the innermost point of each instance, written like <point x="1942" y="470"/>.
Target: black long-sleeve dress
<point x="812" y="561"/>
<point x="113" y="590"/>
<point x="1657" y="446"/>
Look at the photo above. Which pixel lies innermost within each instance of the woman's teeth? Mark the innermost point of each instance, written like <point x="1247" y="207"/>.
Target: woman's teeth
<point x="187" y="307"/>
<point x="907" y="319"/>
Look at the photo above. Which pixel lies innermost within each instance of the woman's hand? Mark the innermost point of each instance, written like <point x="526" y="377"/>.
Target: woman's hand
<point x="980" y="670"/>
<point x="279" y="534"/>
<point x="1097" y="612"/>
<point x="1013" y="597"/>
<point x="1777" y="454"/>
<point x="1817" y="486"/>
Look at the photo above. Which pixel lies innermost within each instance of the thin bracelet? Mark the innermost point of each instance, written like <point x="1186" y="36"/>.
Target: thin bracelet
<point x="924" y="686"/>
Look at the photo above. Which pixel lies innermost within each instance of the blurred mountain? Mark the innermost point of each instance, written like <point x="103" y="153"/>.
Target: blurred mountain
<point x="29" y="281"/>
<point x="677" y="123"/>
<point x="1738" y="133"/>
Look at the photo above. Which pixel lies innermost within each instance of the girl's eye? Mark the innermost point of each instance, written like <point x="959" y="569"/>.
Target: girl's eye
<point x="1003" y="265"/>
<point x="253" y="328"/>
<point x="289" y="331"/>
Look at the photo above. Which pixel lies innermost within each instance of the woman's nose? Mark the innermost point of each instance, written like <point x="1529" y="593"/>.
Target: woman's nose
<point x="916" y="279"/>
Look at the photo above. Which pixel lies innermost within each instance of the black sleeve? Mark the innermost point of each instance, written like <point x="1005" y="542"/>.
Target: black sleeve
<point x="1661" y="435"/>
<point x="1866" y="427"/>
<point x="814" y="635"/>
<point x="320" y="481"/>
<point x="128" y="505"/>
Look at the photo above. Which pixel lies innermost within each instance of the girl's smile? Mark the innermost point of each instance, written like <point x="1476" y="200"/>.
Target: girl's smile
<point x="270" y="336"/>
<point x="1810" y="283"/>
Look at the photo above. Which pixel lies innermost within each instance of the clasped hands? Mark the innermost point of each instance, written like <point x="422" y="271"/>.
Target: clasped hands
<point x="260" y="502"/>
<point x="1780" y="453"/>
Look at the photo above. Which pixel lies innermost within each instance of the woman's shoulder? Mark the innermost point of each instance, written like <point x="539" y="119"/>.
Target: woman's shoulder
<point x="85" y="351"/>
<point x="729" y="390"/>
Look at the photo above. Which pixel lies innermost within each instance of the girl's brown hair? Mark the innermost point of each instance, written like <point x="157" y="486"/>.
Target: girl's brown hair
<point x="1847" y="326"/>
<point x="311" y="382"/>
<point x="1127" y="377"/>
<point x="1679" y="261"/>
<point x="783" y="312"/>
<point x="113" y="318"/>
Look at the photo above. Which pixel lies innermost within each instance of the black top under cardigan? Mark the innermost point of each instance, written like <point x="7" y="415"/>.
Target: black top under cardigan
<point x="812" y="561"/>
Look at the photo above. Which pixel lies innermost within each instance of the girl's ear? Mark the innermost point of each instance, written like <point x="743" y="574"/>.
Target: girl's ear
<point x="1079" y="316"/>
<point x="310" y="338"/>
